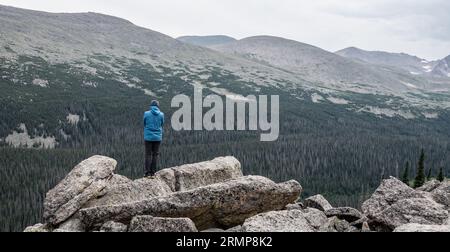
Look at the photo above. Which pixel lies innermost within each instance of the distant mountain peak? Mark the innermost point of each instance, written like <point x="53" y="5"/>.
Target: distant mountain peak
<point x="412" y="64"/>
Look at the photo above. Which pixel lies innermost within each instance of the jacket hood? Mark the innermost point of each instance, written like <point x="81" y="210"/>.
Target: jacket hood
<point x="155" y="110"/>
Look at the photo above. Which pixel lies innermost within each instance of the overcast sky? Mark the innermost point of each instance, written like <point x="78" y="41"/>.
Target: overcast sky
<point x="418" y="27"/>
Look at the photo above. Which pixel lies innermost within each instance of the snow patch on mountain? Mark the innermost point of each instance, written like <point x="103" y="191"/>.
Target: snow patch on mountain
<point x="40" y="83"/>
<point x="73" y="119"/>
<point x="387" y="112"/>
<point x="228" y="94"/>
<point x="338" y="101"/>
<point x="316" y="98"/>
<point x="23" y="139"/>
<point x="430" y="115"/>
<point x="428" y="68"/>
<point x="410" y="85"/>
<point x="89" y="84"/>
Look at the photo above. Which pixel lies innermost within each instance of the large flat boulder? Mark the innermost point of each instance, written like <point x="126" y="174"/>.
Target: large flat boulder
<point x="222" y="205"/>
<point x="158" y="224"/>
<point x="190" y="176"/>
<point x="83" y="183"/>
<point x="120" y="191"/>
<point x="278" y="221"/>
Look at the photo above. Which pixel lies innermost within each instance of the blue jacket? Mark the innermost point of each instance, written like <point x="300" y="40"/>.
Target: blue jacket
<point x="153" y="125"/>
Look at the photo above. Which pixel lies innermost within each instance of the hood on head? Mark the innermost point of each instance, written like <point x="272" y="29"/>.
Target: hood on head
<point x="155" y="110"/>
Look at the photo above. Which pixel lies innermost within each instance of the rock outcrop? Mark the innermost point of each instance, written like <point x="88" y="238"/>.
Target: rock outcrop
<point x="214" y="196"/>
<point x="224" y="204"/>
<point x="318" y="202"/>
<point x="38" y="228"/>
<point x="83" y="183"/>
<point x="394" y="204"/>
<point x="157" y="224"/>
<point x="113" y="227"/>
<point x="344" y="213"/>
<point x="278" y="221"/>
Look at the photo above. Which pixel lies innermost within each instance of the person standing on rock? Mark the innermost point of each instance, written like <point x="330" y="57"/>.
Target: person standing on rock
<point x="153" y="134"/>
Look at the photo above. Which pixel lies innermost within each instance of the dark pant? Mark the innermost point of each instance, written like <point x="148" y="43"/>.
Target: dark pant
<point x="151" y="157"/>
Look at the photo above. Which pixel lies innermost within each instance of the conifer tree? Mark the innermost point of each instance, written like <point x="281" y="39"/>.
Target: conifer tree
<point x="429" y="174"/>
<point x="420" y="177"/>
<point x="441" y="175"/>
<point x="405" y="177"/>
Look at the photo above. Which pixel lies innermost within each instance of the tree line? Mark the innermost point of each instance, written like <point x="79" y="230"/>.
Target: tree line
<point x="420" y="177"/>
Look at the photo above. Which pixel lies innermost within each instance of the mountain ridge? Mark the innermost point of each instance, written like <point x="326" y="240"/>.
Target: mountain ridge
<point x="412" y="64"/>
<point x="207" y="41"/>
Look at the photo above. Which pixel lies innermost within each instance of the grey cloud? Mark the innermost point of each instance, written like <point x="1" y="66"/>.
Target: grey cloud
<point x="419" y="27"/>
<point x="413" y="19"/>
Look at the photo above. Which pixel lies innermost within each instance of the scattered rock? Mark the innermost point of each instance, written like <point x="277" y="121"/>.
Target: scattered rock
<point x="344" y="213"/>
<point x="213" y="230"/>
<point x="113" y="227"/>
<point x="441" y="196"/>
<point x="359" y="223"/>
<point x="84" y="182"/>
<point x="394" y="204"/>
<point x="295" y="206"/>
<point x="219" y="205"/>
<point x="420" y="228"/>
<point x="58" y="230"/>
<point x="390" y="191"/>
<point x="316" y="218"/>
<point x="38" y="228"/>
<point x="335" y="224"/>
<point x="236" y="229"/>
<point x="157" y="224"/>
<point x="213" y="196"/>
<point x="318" y="202"/>
<point x="404" y="211"/>
<point x="278" y="221"/>
<point x="429" y="186"/>
<point x="365" y="228"/>
<point x="72" y="225"/>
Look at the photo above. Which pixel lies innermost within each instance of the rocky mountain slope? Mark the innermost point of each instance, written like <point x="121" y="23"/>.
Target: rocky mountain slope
<point x="442" y="68"/>
<point x="317" y="65"/>
<point x="206" y="41"/>
<point x="409" y="63"/>
<point x="214" y="196"/>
